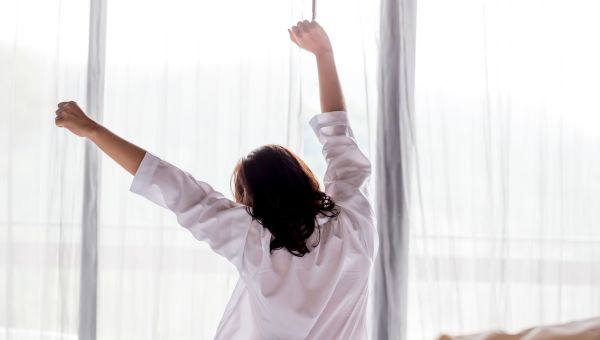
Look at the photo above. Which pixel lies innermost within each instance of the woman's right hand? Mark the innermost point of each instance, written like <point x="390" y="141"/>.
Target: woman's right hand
<point x="71" y="117"/>
<point x="310" y="36"/>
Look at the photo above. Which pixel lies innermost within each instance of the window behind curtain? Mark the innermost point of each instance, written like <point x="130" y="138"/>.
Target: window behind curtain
<point x="43" y="51"/>
<point x="200" y="84"/>
<point x="503" y="216"/>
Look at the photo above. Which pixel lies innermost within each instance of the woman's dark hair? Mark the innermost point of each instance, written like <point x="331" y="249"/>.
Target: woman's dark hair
<point x="283" y="195"/>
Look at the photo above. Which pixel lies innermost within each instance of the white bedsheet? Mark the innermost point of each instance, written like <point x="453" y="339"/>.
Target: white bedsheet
<point x="578" y="330"/>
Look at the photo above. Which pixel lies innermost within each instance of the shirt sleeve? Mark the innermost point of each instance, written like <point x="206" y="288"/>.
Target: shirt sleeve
<point x="347" y="175"/>
<point x="348" y="169"/>
<point x="206" y="213"/>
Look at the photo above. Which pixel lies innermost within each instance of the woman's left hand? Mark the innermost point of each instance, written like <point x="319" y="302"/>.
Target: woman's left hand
<point x="310" y="36"/>
<point x="71" y="117"/>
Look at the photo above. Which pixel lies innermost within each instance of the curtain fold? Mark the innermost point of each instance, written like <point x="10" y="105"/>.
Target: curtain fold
<point x="396" y="110"/>
<point x="88" y="301"/>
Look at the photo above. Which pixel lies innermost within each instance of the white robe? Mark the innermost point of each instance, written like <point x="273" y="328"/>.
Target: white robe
<point x="322" y="295"/>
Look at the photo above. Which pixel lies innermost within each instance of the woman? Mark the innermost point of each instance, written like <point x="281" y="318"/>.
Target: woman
<point x="303" y="255"/>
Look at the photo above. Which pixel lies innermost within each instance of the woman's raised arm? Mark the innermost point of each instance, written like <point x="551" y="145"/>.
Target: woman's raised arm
<point x="310" y="36"/>
<point x="71" y="117"/>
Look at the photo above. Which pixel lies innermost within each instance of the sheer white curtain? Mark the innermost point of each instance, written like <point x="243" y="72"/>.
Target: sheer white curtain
<point x="43" y="47"/>
<point x="199" y="83"/>
<point x="505" y="180"/>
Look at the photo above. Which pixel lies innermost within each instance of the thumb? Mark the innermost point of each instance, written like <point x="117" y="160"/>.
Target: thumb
<point x="293" y="37"/>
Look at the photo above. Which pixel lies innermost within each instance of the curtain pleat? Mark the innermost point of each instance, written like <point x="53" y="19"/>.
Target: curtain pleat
<point x="394" y="142"/>
<point x="91" y="181"/>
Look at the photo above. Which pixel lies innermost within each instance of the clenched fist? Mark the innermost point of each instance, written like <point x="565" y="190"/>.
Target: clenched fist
<point x="71" y="117"/>
<point x="310" y="36"/>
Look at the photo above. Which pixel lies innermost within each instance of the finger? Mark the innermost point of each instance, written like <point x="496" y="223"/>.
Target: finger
<point x="300" y="26"/>
<point x="58" y="121"/>
<point x="297" y="33"/>
<point x="66" y="104"/>
<point x="292" y="38"/>
<point x="69" y="103"/>
<point x="304" y="26"/>
<point x="61" y="111"/>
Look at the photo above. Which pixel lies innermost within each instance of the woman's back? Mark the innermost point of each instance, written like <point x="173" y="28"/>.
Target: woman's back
<point x="324" y="294"/>
<point x="320" y="295"/>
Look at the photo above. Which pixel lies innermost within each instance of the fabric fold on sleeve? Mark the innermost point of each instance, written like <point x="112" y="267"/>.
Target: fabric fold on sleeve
<point x="205" y="212"/>
<point x="348" y="172"/>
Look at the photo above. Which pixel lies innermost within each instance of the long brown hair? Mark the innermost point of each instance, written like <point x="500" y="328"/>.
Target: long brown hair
<point x="282" y="193"/>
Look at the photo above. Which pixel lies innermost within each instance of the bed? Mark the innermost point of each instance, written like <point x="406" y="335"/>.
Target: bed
<point x="578" y="330"/>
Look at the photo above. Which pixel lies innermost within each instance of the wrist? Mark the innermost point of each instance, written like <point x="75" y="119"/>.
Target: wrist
<point x="93" y="131"/>
<point x="326" y="54"/>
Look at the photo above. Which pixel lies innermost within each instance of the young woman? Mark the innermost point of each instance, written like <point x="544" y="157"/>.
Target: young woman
<point x="303" y="255"/>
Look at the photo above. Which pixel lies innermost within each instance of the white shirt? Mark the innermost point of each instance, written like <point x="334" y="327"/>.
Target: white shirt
<point x="322" y="295"/>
